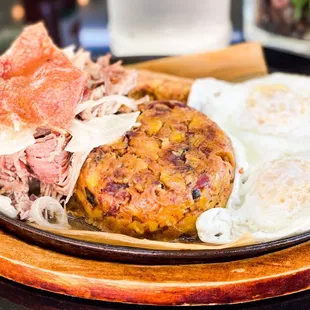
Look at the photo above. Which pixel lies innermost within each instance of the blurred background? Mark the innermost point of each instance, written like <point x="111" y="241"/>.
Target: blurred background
<point x="162" y="27"/>
<point x="85" y="22"/>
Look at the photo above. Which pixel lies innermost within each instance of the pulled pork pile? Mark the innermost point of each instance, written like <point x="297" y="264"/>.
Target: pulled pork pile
<point x="44" y="89"/>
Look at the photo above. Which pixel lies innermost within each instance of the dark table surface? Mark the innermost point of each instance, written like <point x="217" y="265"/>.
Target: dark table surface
<point x="17" y="297"/>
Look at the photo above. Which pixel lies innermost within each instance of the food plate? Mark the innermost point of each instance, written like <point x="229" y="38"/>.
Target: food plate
<point x="130" y="254"/>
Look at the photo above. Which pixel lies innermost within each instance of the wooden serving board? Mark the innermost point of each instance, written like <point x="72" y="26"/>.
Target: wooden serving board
<point x="271" y="275"/>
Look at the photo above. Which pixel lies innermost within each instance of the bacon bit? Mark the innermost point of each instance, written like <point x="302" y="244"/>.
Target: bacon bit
<point x="112" y="188"/>
<point x="241" y="171"/>
<point x="203" y="181"/>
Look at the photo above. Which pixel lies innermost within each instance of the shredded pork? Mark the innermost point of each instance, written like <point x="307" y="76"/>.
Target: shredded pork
<point x="47" y="162"/>
<point x="47" y="159"/>
<point x="13" y="173"/>
<point x="14" y="181"/>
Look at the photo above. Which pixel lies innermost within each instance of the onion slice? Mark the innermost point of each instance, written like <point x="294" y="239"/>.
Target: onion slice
<point x="99" y="131"/>
<point x="117" y="99"/>
<point x="12" y="141"/>
<point x="69" y="51"/>
<point x="45" y="207"/>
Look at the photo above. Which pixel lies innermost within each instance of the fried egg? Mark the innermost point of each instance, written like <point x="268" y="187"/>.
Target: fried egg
<point x="268" y="121"/>
<point x="275" y="203"/>
<point x="269" y="115"/>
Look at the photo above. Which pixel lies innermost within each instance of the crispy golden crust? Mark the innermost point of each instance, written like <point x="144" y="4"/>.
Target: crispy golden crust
<point x="161" y="86"/>
<point x="160" y="177"/>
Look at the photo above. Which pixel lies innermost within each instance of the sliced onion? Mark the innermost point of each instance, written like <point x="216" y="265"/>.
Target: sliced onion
<point x="12" y="141"/>
<point x="69" y="51"/>
<point x="99" y="131"/>
<point x="7" y="208"/>
<point x="93" y="103"/>
<point x="44" y="206"/>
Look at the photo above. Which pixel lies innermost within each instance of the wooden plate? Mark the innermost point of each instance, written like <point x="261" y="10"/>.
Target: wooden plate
<point x="275" y="274"/>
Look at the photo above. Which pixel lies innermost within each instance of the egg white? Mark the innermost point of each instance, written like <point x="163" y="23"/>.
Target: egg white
<point x="269" y="115"/>
<point x="275" y="202"/>
<point x="268" y="121"/>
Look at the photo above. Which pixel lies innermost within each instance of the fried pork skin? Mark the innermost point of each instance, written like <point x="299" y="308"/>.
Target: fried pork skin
<point x="159" y="177"/>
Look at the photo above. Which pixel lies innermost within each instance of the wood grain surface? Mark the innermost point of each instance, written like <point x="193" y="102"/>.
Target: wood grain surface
<point x="235" y="63"/>
<point x="275" y="274"/>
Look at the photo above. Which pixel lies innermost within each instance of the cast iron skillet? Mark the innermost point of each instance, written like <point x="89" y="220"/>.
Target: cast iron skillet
<point x="277" y="62"/>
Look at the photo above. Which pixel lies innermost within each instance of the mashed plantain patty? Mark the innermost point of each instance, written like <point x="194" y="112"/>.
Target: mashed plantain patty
<point x="157" y="179"/>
